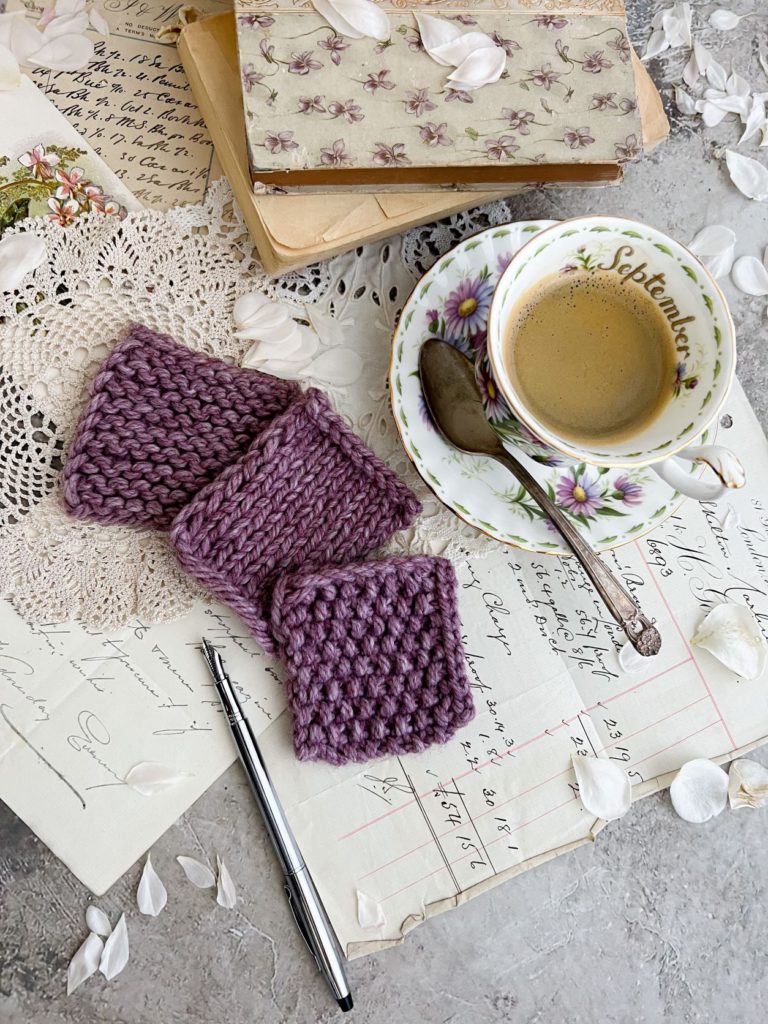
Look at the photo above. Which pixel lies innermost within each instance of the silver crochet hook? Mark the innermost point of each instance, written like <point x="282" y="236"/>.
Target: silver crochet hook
<point x="306" y="906"/>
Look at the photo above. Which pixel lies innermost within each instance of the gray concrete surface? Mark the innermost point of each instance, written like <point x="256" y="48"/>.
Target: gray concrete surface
<point x="658" y="921"/>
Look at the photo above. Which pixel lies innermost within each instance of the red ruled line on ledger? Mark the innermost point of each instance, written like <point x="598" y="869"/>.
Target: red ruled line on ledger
<point x="519" y="746"/>
<point x="711" y="696"/>
<point x="538" y="817"/>
<point x="525" y="792"/>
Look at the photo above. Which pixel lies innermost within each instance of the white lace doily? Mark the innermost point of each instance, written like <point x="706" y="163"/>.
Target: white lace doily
<point x="178" y="272"/>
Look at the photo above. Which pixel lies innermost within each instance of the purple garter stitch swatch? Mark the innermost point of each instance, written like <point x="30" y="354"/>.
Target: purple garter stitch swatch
<point x="308" y="493"/>
<point x="374" y="658"/>
<point x="161" y="422"/>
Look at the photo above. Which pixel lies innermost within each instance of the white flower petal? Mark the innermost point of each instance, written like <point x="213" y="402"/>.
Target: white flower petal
<point x="737" y="85"/>
<point x="19" y="255"/>
<point x="763" y="61"/>
<point x="712" y="115"/>
<point x="151" y="895"/>
<point x="64" y="53"/>
<point x="69" y="7"/>
<point x="84" y="963"/>
<point x="198" y="874"/>
<point x="750" y="276"/>
<point x="370" y="913"/>
<point x="355" y="18"/>
<point x="247" y="305"/>
<point x="115" y="954"/>
<point x="97" y="921"/>
<point x="716" y="74"/>
<point x="337" y="366"/>
<point x="67" y="24"/>
<point x="457" y="51"/>
<point x="19" y="35"/>
<point x="10" y="74"/>
<point x="604" y="786"/>
<point x="98" y="19"/>
<point x="755" y="119"/>
<point x="630" y="660"/>
<point x="691" y="72"/>
<point x="226" y="894"/>
<point x="436" y="32"/>
<point x="747" y="784"/>
<point x="749" y="176"/>
<point x="703" y="56"/>
<point x="715" y="247"/>
<point x="731" y="519"/>
<point x="686" y="104"/>
<point x="150" y="777"/>
<point x="730" y="633"/>
<point x="699" y="791"/>
<point x="657" y="44"/>
<point x="723" y="20"/>
<point x="480" y="68"/>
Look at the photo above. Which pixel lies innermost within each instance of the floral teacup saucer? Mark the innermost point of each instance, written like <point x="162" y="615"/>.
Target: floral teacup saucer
<point x="609" y="506"/>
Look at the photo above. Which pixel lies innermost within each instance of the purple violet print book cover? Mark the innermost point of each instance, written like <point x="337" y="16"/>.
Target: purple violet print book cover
<point x="359" y="111"/>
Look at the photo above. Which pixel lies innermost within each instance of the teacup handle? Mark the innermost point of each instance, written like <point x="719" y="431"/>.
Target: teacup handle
<point x="721" y="461"/>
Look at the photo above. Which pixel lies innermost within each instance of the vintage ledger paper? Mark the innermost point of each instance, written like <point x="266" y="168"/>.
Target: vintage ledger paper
<point x="133" y="103"/>
<point x="423" y="833"/>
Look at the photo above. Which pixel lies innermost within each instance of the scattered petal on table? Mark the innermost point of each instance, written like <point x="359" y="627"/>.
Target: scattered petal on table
<point x="338" y="366"/>
<point x="604" y="786"/>
<point x="686" y="104"/>
<point x="150" y="777"/>
<point x="97" y="921"/>
<point x="115" y="954"/>
<point x="67" y="24"/>
<point x="730" y="632"/>
<point x="480" y="68"/>
<point x="370" y="913"/>
<point x="226" y="894"/>
<point x="747" y="784"/>
<point x="355" y="18"/>
<point x="715" y="245"/>
<point x="198" y="874"/>
<point x="699" y="791"/>
<point x="98" y="20"/>
<point x="151" y="896"/>
<point x="64" y="53"/>
<point x="749" y="176"/>
<point x="10" y="75"/>
<point x="630" y="660"/>
<point x="19" y="255"/>
<point x="457" y="51"/>
<point x="84" y="963"/>
<point x="750" y="275"/>
<point x="724" y="20"/>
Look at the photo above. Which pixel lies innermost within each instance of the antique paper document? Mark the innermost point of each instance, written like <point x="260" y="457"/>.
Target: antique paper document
<point x="422" y="833"/>
<point x="133" y="103"/>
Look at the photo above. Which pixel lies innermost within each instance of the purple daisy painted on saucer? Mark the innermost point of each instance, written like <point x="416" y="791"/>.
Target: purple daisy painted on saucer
<point x="466" y="308"/>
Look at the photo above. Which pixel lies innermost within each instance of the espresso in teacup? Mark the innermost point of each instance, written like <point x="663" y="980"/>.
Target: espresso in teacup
<point x="591" y="355"/>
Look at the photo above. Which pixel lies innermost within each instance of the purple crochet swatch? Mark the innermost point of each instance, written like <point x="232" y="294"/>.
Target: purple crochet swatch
<point x="160" y="423"/>
<point x="374" y="658"/>
<point x="308" y="493"/>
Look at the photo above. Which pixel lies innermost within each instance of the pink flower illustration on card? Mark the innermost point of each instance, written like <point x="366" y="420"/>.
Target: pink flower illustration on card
<point x="390" y="156"/>
<point x="351" y="112"/>
<point x="620" y="46"/>
<point x="603" y="101"/>
<point x="458" y="96"/>
<point x="64" y="210"/>
<point x="302" y="63"/>
<point x="279" y="142"/>
<point x="251" y="77"/>
<point x="70" y="183"/>
<point x="509" y="46"/>
<point x="545" y="76"/>
<point x="550" y="21"/>
<point x="336" y="155"/>
<point x="518" y="120"/>
<point x="630" y="149"/>
<point x="39" y="162"/>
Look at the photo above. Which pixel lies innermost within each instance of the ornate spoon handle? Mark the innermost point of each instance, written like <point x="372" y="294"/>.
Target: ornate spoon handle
<point x="641" y="632"/>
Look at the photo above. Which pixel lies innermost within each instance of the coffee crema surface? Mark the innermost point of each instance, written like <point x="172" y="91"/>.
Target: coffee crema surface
<point x="591" y="356"/>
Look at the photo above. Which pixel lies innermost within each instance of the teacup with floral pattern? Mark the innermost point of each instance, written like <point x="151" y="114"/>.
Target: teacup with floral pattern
<point x="700" y="321"/>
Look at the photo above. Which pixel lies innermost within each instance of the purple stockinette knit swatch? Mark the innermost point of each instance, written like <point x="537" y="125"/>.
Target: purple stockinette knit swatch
<point x="374" y="658"/>
<point x="308" y="493"/>
<point x="160" y="423"/>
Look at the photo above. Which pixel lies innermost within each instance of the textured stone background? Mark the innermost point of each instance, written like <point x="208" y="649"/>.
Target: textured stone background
<point x="658" y="921"/>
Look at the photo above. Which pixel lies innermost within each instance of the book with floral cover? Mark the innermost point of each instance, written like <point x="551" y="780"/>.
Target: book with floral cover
<point x="462" y="94"/>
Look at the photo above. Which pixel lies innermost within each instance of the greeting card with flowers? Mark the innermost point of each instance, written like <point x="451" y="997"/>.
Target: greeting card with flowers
<point x="409" y="93"/>
<point x="47" y="168"/>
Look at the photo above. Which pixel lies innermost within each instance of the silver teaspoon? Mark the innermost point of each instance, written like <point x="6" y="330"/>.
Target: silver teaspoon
<point x="455" y="404"/>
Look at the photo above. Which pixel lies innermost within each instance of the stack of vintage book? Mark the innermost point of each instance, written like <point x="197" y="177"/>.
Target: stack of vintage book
<point x="330" y="139"/>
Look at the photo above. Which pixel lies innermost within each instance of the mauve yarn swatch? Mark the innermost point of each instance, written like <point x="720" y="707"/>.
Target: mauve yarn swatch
<point x="308" y="493"/>
<point x="374" y="658"/>
<point x="161" y="422"/>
